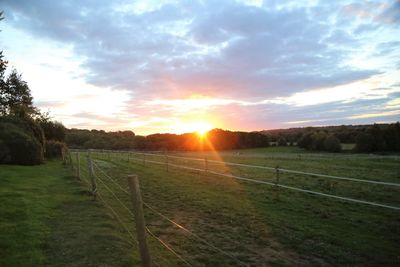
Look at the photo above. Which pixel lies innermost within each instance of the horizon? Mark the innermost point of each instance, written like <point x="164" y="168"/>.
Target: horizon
<point x="178" y="66"/>
<point x="231" y="130"/>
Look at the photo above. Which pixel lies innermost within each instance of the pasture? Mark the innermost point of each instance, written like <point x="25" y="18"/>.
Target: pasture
<point x="198" y="213"/>
<point x="47" y="218"/>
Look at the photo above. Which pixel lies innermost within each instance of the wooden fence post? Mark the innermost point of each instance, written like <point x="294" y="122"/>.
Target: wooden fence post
<point x="277" y="183"/>
<point x="205" y="164"/>
<point x="63" y="156"/>
<point x="127" y="156"/>
<point x="144" y="159"/>
<point x="78" y="163"/>
<point x="137" y="202"/>
<point x="92" y="176"/>
<point x="167" y="161"/>
<point x="70" y="159"/>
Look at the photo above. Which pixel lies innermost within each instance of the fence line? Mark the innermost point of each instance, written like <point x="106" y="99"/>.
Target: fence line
<point x="169" y="248"/>
<point x="86" y="173"/>
<point x="168" y="219"/>
<point x="270" y="168"/>
<point x="283" y="186"/>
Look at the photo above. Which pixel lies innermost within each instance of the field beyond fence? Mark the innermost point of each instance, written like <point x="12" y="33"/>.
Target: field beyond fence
<point x="252" y="208"/>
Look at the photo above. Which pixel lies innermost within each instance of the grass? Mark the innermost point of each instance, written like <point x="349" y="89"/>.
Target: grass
<point x="47" y="218"/>
<point x="251" y="222"/>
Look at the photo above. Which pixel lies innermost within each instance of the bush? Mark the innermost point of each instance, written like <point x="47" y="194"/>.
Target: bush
<point x="364" y="142"/>
<point x="54" y="149"/>
<point x="19" y="146"/>
<point x="282" y="141"/>
<point x="332" y="144"/>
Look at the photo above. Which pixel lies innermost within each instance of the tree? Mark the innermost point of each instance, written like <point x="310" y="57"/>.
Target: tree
<point x="15" y="97"/>
<point x="282" y="141"/>
<point x="364" y="142"/>
<point x="392" y="137"/>
<point x="332" y="144"/>
<point x="53" y="130"/>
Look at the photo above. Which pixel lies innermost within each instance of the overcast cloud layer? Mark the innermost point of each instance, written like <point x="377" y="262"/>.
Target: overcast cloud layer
<point x="242" y="64"/>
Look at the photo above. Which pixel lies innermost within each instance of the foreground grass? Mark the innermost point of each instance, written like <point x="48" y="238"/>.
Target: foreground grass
<point x="48" y="219"/>
<point x="255" y="226"/>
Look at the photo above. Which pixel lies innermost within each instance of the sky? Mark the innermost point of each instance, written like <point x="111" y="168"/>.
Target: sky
<point x="178" y="66"/>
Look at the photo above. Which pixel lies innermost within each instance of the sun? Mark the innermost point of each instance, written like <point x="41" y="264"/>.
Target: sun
<point x="201" y="127"/>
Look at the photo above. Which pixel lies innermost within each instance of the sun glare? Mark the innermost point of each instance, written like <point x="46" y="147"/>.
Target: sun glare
<point x="201" y="128"/>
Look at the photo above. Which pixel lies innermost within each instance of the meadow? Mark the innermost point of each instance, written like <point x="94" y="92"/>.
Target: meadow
<point x="233" y="222"/>
<point x="47" y="218"/>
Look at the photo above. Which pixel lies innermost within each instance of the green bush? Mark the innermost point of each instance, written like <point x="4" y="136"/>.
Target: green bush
<point x="19" y="146"/>
<point x="332" y="144"/>
<point x="54" y="149"/>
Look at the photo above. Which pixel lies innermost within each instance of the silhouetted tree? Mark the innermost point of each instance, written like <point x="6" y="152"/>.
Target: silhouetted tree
<point x="15" y="97"/>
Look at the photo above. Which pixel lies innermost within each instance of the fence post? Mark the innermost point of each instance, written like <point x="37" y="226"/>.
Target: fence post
<point x="137" y="202"/>
<point x="144" y="159"/>
<point x="63" y="156"/>
<point x="78" y="163"/>
<point x="70" y="159"/>
<point x="205" y="164"/>
<point x="127" y="156"/>
<point x="167" y="161"/>
<point x="277" y="182"/>
<point x="92" y="176"/>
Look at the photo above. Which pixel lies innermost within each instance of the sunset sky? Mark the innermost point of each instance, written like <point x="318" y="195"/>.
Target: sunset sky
<point x="176" y="66"/>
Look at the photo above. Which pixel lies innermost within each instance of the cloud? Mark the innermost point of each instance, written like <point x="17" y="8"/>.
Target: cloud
<point x="243" y="58"/>
<point x="210" y="48"/>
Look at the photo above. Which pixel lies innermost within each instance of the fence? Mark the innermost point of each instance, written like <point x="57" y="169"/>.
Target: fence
<point x="95" y="176"/>
<point x="277" y="171"/>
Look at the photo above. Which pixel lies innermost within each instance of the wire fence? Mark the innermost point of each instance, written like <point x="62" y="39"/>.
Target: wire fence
<point x="204" y="165"/>
<point x="225" y="163"/>
<point x="91" y="172"/>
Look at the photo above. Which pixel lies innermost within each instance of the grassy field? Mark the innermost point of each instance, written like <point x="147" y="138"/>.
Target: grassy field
<point x="47" y="218"/>
<point x="257" y="224"/>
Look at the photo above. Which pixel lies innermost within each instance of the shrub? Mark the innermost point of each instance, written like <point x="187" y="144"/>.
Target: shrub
<point x="54" y="149"/>
<point x="364" y="142"/>
<point x="282" y="141"/>
<point x="19" y="146"/>
<point x="332" y="144"/>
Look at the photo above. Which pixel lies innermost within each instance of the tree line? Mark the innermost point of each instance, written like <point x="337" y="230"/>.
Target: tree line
<point x="367" y="138"/>
<point x="216" y="139"/>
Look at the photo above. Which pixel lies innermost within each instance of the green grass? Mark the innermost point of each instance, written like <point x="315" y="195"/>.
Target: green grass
<point x="47" y="218"/>
<point x="252" y="223"/>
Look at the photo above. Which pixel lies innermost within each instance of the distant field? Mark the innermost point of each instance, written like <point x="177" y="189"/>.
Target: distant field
<point x="255" y="223"/>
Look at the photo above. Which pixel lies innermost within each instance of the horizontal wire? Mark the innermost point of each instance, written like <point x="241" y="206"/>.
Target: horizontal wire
<point x="115" y="196"/>
<point x="280" y="169"/>
<point x="167" y="247"/>
<point x="308" y="191"/>
<point x="110" y="178"/>
<point x="117" y="217"/>
<point x="284" y="186"/>
<point x="194" y="235"/>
